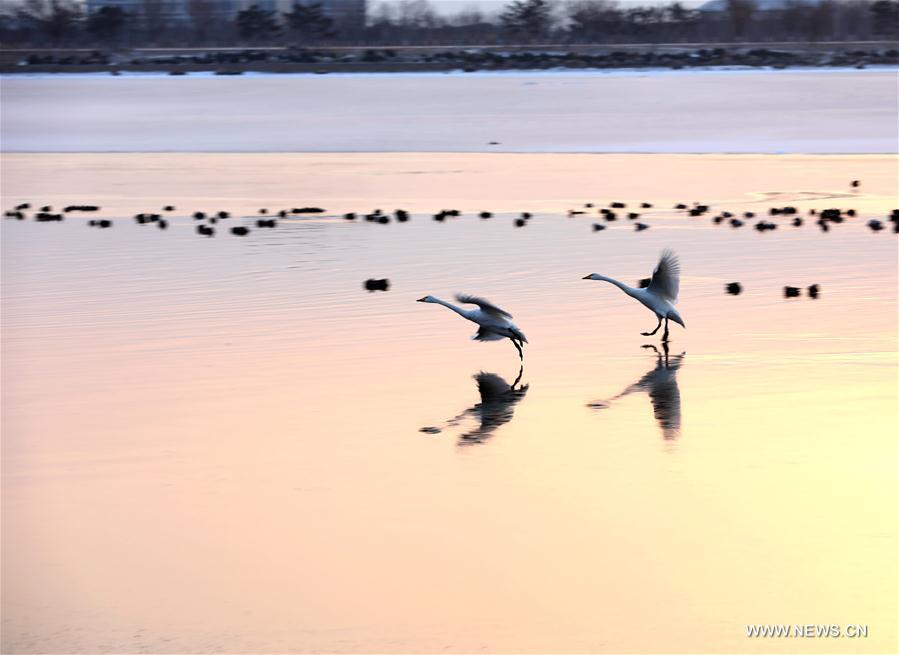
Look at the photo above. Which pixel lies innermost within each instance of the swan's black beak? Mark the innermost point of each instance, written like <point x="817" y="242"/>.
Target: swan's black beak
<point x="422" y="300"/>
<point x="587" y="277"/>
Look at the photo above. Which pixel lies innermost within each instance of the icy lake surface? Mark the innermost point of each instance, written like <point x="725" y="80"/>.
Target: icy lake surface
<point x="746" y="111"/>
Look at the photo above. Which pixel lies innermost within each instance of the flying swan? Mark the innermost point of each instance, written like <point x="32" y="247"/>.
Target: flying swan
<point x="493" y="322"/>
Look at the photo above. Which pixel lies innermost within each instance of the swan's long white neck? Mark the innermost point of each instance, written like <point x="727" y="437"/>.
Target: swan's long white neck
<point x="631" y="291"/>
<point x="458" y="310"/>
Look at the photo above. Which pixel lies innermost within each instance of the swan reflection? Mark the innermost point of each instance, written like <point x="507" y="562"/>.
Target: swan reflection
<point x="661" y="385"/>
<point x="497" y="407"/>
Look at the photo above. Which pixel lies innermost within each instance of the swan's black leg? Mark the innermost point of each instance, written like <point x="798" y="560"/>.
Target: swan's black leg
<point x="649" y="334"/>
<point x="518" y="348"/>
<point x="665" y="336"/>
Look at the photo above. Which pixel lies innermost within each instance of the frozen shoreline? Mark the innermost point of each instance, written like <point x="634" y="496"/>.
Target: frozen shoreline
<point x="601" y="72"/>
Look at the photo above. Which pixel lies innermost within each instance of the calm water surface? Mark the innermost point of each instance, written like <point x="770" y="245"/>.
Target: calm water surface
<point x="216" y="445"/>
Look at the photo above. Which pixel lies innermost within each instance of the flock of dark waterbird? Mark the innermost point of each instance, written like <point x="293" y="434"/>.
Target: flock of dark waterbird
<point x="824" y="219"/>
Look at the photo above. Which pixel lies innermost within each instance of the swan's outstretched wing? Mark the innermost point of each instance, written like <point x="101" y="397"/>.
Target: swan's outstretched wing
<point x="485" y="305"/>
<point x="483" y="334"/>
<point x="666" y="276"/>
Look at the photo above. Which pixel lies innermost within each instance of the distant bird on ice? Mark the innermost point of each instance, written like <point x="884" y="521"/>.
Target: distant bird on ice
<point x="660" y="295"/>
<point x="494" y="322"/>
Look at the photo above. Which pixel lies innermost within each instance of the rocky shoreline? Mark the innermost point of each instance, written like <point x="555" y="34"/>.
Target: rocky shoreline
<point x="359" y="60"/>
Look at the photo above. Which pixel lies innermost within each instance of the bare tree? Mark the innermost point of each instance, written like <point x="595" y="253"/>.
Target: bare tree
<point x="55" y="20"/>
<point x="531" y="19"/>
<point x="308" y="22"/>
<point x="154" y="19"/>
<point x="740" y="13"/>
<point x="594" y="20"/>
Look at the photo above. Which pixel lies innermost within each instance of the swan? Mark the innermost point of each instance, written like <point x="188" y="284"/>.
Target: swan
<point x="494" y="322"/>
<point x="660" y="295"/>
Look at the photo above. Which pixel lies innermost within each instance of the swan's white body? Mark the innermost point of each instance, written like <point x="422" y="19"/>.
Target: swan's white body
<point x="661" y="294"/>
<point x="494" y="323"/>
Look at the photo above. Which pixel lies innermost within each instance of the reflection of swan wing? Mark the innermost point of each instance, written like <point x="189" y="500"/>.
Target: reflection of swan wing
<point x="665" y="398"/>
<point x="497" y="406"/>
<point x="491" y="386"/>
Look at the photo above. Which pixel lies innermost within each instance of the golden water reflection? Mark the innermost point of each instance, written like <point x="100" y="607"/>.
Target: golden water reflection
<point x="213" y="445"/>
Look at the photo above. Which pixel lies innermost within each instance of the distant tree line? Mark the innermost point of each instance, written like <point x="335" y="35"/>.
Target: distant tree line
<point x="65" y="23"/>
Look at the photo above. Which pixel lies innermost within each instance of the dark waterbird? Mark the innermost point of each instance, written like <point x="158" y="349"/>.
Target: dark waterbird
<point x="813" y="291"/>
<point x="598" y="226"/>
<point x="240" y="231"/>
<point x="639" y="227"/>
<point x="373" y="284"/>
<point x="401" y="215"/>
<point x="734" y="288"/>
<point x="791" y="292"/>
<point x="205" y="230"/>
